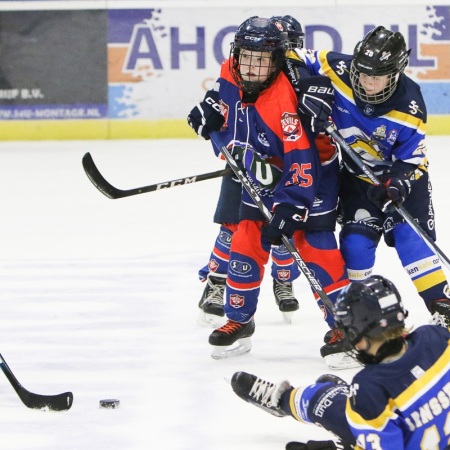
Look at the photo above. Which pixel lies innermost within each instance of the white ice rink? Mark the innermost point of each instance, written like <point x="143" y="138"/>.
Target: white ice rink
<point x="100" y="296"/>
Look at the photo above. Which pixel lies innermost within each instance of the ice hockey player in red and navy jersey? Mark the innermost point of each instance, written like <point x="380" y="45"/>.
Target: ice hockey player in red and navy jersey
<point x="254" y="106"/>
<point x="284" y="269"/>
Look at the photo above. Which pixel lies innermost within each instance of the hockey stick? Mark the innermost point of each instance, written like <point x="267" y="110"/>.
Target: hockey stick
<point x="112" y="192"/>
<point x="59" y="402"/>
<point x="253" y="192"/>
<point x="376" y="181"/>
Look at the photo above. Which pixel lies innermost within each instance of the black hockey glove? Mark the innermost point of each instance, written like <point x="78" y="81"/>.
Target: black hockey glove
<point x="315" y="101"/>
<point x="395" y="186"/>
<point x="318" y="445"/>
<point x="285" y="221"/>
<point x="206" y="117"/>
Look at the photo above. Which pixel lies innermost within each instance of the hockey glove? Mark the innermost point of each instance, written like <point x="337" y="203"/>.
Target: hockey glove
<point x="285" y="221"/>
<point x="318" y="445"/>
<point x="395" y="186"/>
<point x="315" y="101"/>
<point x="206" y="116"/>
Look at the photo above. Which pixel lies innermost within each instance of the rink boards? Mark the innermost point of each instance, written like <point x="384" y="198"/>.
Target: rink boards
<point x="133" y="69"/>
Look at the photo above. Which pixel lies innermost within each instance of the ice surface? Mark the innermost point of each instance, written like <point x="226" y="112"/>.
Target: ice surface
<point x="100" y="297"/>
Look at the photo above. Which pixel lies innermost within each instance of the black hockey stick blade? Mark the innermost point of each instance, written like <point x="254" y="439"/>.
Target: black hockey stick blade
<point x="58" y="402"/>
<point x="97" y="178"/>
<point x="99" y="181"/>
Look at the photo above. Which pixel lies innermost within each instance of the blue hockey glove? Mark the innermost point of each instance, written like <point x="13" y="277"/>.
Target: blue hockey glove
<point x="315" y="101"/>
<point x="395" y="187"/>
<point x="206" y="117"/>
<point x="285" y="221"/>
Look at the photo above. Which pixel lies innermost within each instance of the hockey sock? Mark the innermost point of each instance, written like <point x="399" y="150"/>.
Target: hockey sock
<point x="359" y="255"/>
<point x="319" y="251"/>
<point x="284" y="268"/>
<point x="421" y="264"/>
<point x="218" y="260"/>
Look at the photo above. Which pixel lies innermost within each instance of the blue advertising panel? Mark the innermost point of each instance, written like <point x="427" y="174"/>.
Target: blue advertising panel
<point x="156" y="51"/>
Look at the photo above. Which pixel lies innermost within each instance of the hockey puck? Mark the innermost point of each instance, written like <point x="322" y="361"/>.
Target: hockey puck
<point x="109" y="403"/>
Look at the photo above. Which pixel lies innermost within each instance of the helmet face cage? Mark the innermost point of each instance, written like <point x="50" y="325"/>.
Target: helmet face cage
<point x="381" y="52"/>
<point x="293" y="28"/>
<point x="369" y="308"/>
<point x="257" y="54"/>
<point x="295" y="40"/>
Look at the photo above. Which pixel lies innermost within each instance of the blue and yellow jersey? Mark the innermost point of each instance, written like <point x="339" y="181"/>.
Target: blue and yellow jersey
<point x="405" y="403"/>
<point x="382" y="133"/>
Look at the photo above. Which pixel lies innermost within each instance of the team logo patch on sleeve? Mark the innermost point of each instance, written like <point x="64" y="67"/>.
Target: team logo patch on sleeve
<point x="224" y="111"/>
<point x="290" y="124"/>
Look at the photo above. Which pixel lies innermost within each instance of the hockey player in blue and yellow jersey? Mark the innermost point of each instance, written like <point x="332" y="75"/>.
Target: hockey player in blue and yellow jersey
<point x="255" y="106"/>
<point x="400" y="400"/>
<point x="382" y="115"/>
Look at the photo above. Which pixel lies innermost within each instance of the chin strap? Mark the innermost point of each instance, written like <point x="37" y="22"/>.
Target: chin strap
<point x="391" y="347"/>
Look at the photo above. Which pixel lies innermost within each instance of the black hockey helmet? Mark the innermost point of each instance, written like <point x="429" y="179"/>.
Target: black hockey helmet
<point x="381" y="52"/>
<point x="369" y="308"/>
<point x="293" y="28"/>
<point x="254" y="36"/>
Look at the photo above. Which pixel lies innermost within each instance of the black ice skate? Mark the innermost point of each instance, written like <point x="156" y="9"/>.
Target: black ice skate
<point x="440" y="310"/>
<point x="224" y="337"/>
<point x="263" y="394"/>
<point x="337" y="352"/>
<point x="322" y="445"/>
<point x="284" y="297"/>
<point x="211" y="303"/>
<point x="330" y="378"/>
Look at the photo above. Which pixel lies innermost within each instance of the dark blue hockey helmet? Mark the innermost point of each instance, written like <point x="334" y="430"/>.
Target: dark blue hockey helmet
<point x="381" y="52"/>
<point x="369" y="309"/>
<point x="293" y="28"/>
<point x="257" y="54"/>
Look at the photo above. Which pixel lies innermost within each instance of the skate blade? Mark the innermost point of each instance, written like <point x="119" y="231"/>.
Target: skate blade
<point x="270" y="411"/>
<point x="340" y="361"/>
<point x="210" y="320"/>
<point x="244" y="345"/>
<point x="287" y="317"/>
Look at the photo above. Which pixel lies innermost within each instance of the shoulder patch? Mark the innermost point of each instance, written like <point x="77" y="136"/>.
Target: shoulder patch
<point x="292" y="129"/>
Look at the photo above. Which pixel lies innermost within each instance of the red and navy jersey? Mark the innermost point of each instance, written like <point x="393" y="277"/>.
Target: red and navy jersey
<point x="272" y="129"/>
<point x="405" y="403"/>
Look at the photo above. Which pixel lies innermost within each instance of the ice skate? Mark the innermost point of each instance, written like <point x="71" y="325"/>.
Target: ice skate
<point x="211" y="303"/>
<point x="263" y="394"/>
<point x="232" y="332"/>
<point x="337" y="352"/>
<point x="440" y="310"/>
<point x="284" y="297"/>
<point x="322" y="445"/>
